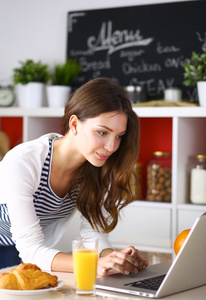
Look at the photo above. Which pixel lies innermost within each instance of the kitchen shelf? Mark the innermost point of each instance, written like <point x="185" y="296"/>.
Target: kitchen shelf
<point x="151" y="204"/>
<point x="192" y="207"/>
<point x="32" y="112"/>
<point x="141" y="112"/>
<point x="150" y="226"/>
<point x="170" y="112"/>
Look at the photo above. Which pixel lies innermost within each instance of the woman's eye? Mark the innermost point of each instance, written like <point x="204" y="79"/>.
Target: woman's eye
<point x="120" y="136"/>
<point x="102" y="132"/>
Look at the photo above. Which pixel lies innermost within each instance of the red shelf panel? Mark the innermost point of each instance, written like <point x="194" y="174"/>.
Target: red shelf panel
<point x="155" y="135"/>
<point x="13" y="126"/>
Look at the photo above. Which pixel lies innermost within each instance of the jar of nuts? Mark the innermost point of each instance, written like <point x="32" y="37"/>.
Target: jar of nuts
<point x="159" y="177"/>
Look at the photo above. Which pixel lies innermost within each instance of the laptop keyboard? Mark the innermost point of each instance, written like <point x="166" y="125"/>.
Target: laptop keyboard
<point x="150" y="284"/>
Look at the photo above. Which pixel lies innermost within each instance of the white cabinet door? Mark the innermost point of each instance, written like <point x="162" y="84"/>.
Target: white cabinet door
<point x="186" y="218"/>
<point x="143" y="226"/>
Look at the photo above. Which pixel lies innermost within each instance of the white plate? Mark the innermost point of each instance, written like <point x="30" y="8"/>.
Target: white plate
<point x="32" y="292"/>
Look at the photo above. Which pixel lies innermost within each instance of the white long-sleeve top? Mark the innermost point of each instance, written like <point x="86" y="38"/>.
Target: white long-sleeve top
<point x="20" y="177"/>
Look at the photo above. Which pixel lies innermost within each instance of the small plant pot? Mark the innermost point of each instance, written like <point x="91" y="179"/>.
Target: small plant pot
<point x="201" y="88"/>
<point x="57" y="95"/>
<point x="30" y="94"/>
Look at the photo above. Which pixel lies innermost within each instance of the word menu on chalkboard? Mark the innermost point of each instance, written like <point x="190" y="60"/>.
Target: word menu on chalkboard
<point x="138" y="45"/>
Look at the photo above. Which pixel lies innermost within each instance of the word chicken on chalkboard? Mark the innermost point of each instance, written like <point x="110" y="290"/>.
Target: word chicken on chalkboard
<point x="138" y="45"/>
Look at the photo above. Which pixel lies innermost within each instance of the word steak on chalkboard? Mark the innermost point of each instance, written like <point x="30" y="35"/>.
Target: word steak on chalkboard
<point x="138" y="45"/>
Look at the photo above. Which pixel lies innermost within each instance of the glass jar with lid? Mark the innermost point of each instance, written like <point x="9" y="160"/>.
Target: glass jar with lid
<point x="136" y="94"/>
<point x="131" y="93"/>
<point x="159" y="177"/>
<point x="198" y="179"/>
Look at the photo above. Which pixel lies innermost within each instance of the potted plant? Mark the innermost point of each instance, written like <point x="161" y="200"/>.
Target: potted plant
<point x="61" y="80"/>
<point x="29" y="80"/>
<point x="195" y="73"/>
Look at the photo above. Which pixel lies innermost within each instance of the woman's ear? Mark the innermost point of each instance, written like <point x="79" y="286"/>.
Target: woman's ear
<point x="73" y="124"/>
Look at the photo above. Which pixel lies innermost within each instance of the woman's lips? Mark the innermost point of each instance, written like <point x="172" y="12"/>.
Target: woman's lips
<point x="102" y="156"/>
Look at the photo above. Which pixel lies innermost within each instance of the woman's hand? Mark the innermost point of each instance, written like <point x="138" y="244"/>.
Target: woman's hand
<point x="125" y="261"/>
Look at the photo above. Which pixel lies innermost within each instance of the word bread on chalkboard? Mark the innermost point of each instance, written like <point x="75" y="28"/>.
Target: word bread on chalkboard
<point x="142" y="45"/>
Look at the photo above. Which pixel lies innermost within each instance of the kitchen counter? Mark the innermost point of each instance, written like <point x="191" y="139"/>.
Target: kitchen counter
<point x="67" y="292"/>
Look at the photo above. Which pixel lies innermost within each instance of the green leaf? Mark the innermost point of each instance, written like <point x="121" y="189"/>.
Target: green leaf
<point x="195" y="68"/>
<point x="64" y="74"/>
<point x="30" y="71"/>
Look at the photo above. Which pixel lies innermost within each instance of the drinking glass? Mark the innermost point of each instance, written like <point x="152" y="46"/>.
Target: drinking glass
<point x="85" y="256"/>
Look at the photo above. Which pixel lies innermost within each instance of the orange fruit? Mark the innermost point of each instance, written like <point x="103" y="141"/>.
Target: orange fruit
<point x="180" y="240"/>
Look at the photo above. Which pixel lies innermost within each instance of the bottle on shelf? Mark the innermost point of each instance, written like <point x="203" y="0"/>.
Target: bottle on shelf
<point x="198" y="179"/>
<point x="159" y="177"/>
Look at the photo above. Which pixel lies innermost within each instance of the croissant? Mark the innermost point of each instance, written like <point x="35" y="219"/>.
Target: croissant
<point x="27" y="277"/>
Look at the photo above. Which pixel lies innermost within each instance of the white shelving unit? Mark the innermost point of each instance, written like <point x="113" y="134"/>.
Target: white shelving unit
<point x="154" y="226"/>
<point x="148" y="226"/>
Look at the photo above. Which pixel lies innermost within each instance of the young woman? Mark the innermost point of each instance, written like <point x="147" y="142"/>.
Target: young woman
<point x="88" y="168"/>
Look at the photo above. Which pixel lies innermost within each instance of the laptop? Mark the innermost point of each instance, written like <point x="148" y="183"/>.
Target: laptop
<point x="187" y="271"/>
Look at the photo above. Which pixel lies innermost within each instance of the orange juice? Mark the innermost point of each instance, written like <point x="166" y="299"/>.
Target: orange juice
<point x="85" y="268"/>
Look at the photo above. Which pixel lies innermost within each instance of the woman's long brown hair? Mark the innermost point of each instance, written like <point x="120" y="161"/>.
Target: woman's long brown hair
<point x="107" y="186"/>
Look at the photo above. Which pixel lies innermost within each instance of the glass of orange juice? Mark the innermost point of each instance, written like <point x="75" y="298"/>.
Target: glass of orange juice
<point x="85" y="256"/>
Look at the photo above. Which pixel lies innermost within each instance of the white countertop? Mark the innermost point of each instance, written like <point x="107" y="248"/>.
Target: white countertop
<point x="67" y="292"/>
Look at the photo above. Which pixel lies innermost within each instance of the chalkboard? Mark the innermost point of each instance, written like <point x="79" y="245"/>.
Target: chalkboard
<point x="138" y="45"/>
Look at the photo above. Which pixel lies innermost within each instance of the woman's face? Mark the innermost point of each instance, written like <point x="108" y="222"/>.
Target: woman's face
<point x="100" y="137"/>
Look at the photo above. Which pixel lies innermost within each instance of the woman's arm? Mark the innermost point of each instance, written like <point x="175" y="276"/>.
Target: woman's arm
<point x="19" y="172"/>
<point x="62" y="262"/>
<point x="110" y="262"/>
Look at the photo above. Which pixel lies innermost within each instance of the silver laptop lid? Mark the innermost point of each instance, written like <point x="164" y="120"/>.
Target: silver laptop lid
<point x="187" y="271"/>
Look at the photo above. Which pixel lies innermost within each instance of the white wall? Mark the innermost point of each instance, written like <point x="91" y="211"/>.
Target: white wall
<point x="36" y="29"/>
